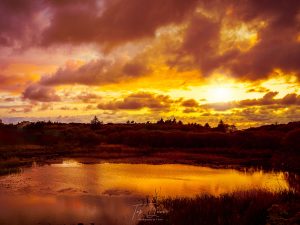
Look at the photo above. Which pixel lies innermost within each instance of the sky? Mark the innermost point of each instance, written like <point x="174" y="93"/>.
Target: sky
<point x="196" y="60"/>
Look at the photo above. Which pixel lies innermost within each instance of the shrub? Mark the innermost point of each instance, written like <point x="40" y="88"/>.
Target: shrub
<point x="292" y="140"/>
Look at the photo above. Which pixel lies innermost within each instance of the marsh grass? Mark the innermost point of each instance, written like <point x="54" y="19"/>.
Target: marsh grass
<point x="238" y="208"/>
<point x="7" y="171"/>
<point x="12" y="165"/>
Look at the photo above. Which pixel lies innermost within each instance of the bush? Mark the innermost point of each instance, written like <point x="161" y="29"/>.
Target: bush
<point x="174" y="138"/>
<point x="292" y="140"/>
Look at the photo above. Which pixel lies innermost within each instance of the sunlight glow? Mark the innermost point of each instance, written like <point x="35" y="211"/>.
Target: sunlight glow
<point x="220" y="94"/>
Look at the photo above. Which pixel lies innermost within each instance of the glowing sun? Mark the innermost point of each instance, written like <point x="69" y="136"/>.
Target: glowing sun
<point x="219" y="94"/>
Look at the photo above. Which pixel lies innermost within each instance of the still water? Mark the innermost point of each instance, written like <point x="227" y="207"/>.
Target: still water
<point x="106" y="193"/>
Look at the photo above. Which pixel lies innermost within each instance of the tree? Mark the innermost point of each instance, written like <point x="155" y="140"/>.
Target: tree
<point x="207" y="126"/>
<point x="95" y="123"/>
<point x="222" y="126"/>
<point x="169" y="121"/>
<point x="291" y="139"/>
<point x="161" y="121"/>
<point x="232" y="128"/>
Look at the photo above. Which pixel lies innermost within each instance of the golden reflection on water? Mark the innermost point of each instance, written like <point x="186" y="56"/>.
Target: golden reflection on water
<point x="71" y="177"/>
<point x="184" y="180"/>
<point x="67" y="163"/>
<point x="71" y="192"/>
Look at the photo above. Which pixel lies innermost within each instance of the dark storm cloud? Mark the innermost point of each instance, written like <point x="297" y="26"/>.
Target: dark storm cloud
<point x="18" y="21"/>
<point x="277" y="48"/>
<point x="201" y="40"/>
<point x="22" y="22"/>
<point x="113" y="22"/>
<point x="117" y="22"/>
<point x="106" y="22"/>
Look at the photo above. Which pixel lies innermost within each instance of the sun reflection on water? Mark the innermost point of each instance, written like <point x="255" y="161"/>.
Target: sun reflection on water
<point x="185" y="180"/>
<point x="72" y="192"/>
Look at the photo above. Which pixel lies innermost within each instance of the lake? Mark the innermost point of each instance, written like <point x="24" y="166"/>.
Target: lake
<point x="109" y="193"/>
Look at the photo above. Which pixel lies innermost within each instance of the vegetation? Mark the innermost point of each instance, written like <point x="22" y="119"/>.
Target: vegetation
<point x="162" y="134"/>
<point x="272" y="146"/>
<point x="12" y="166"/>
<point x="247" y="208"/>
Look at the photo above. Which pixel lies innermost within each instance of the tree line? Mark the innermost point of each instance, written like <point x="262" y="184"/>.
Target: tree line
<point x="162" y="134"/>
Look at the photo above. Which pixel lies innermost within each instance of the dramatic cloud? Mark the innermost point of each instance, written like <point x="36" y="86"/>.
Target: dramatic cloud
<point x="104" y="22"/>
<point x="161" y="56"/>
<point x="276" y="26"/>
<point x="201" y="40"/>
<point x="267" y="100"/>
<point x="278" y="47"/>
<point x="91" y="73"/>
<point x="110" y="23"/>
<point x="139" y="101"/>
<point x="113" y="22"/>
<point x="40" y="93"/>
<point x="19" y="21"/>
<point x="97" y="72"/>
<point x="190" y="103"/>
<point x="135" y="69"/>
<point x="87" y="97"/>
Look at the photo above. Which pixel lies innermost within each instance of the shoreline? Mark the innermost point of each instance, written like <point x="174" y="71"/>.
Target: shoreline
<point x="18" y="156"/>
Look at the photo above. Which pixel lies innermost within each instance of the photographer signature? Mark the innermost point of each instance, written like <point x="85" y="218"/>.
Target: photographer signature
<point x="148" y="212"/>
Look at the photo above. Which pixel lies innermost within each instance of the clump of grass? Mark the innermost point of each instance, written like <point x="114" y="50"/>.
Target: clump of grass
<point x="6" y="171"/>
<point x="12" y="165"/>
<point x="247" y="208"/>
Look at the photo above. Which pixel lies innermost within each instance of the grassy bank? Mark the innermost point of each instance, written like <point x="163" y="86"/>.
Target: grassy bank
<point x="13" y="165"/>
<point x="240" y="208"/>
<point x="13" y="156"/>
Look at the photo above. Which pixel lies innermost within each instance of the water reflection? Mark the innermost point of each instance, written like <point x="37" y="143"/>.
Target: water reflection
<point x="37" y="209"/>
<point x="293" y="180"/>
<point x="71" y="192"/>
<point x="184" y="180"/>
